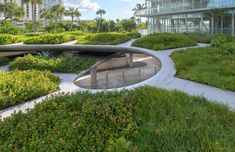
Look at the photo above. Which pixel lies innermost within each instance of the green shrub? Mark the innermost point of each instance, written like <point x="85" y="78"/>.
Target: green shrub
<point x="225" y="43"/>
<point x="6" y="27"/>
<point x="201" y="38"/>
<point x="133" y="35"/>
<point x="7" y="39"/>
<point x="32" y="34"/>
<point x="20" y="86"/>
<point x="164" y="41"/>
<point x="65" y="64"/>
<point x="210" y="66"/>
<point x="76" y="33"/>
<point x="106" y="38"/>
<point x="50" y="39"/>
<point x="145" y="119"/>
<point x="4" y="61"/>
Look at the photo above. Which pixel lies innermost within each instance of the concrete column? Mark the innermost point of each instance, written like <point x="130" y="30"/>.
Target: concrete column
<point x="212" y="24"/>
<point x="222" y="25"/>
<point x="186" y="21"/>
<point x="233" y="23"/>
<point x="192" y="4"/>
<point x="201" y="24"/>
<point x="131" y="55"/>
<point x="93" y="72"/>
<point x="183" y="5"/>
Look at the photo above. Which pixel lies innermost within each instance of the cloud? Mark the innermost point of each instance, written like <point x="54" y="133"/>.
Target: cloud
<point x="82" y="4"/>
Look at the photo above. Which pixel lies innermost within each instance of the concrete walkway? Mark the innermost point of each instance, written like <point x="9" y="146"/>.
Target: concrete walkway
<point x="165" y="79"/>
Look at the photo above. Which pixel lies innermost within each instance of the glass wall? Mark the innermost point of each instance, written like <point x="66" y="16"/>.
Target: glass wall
<point x="194" y="23"/>
<point x="167" y="6"/>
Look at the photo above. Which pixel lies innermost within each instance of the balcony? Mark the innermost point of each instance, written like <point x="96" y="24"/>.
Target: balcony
<point x="175" y="8"/>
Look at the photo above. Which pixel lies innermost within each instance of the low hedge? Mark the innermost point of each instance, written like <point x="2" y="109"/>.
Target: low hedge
<point x="144" y="119"/>
<point x="133" y="35"/>
<point x="211" y="66"/>
<point x="50" y="39"/>
<point x="7" y="39"/>
<point x="107" y="38"/>
<point x="66" y="63"/>
<point x="20" y="86"/>
<point x="164" y="41"/>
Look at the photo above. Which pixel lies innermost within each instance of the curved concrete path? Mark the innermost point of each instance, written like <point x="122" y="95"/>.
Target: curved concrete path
<point x="165" y="79"/>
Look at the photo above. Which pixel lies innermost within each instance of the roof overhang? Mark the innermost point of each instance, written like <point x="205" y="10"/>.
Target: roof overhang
<point x="184" y="12"/>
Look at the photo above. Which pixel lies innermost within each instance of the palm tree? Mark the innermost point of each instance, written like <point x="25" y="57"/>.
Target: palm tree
<point x="46" y="14"/>
<point x="33" y="3"/>
<point x="11" y="11"/>
<point x="57" y="12"/>
<point x="100" y="12"/>
<point x="137" y="9"/>
<point x="73" y="12"/>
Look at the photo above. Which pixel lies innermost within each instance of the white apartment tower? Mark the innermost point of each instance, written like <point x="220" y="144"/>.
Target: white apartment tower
<point x="28" y="8"/>
<point x="49" y="3"/>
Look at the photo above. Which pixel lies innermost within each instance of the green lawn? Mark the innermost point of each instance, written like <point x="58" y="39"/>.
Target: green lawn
<point x="20" y="86"/>
<point x="66" y="63"/>
<point x="211" y="66"/>
<point x="164" y="41"/>
<point x="145" y="119"/>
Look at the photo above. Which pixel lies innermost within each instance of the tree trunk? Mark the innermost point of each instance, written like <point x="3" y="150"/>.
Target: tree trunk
<point x="98" y="30"/>
<point x="71" y="27"/>
<point x="33" y="23"/>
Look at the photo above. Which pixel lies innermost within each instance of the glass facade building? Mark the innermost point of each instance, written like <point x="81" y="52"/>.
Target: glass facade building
<point x="200" y="16"/>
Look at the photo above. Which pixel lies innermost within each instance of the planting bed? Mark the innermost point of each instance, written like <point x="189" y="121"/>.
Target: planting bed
<point x="144" y="119"/>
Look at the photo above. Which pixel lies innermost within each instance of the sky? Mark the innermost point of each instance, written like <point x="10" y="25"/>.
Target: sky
<point x="115" y="9"/>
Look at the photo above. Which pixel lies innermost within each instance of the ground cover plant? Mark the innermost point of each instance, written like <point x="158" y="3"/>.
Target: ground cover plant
<point x="50" y="39"/>
<point x="144" y="119"/>
<point x="20" y="86"/>
<point x="4" y="61"/>
<point x="112" y="38"/>
<point x="164" y="41"/>
<point x="211" y="66"/>
<point x="67" y="63"/>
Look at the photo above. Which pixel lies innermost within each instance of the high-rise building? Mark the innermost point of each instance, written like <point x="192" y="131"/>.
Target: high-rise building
<point x="201" y="16"/>
<point x="29" y="13"/>
<point x="27" y="8"/>
<point x="49" y="3"/>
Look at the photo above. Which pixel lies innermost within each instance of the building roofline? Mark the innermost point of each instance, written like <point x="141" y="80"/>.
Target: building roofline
<point x="183" y="12"/>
